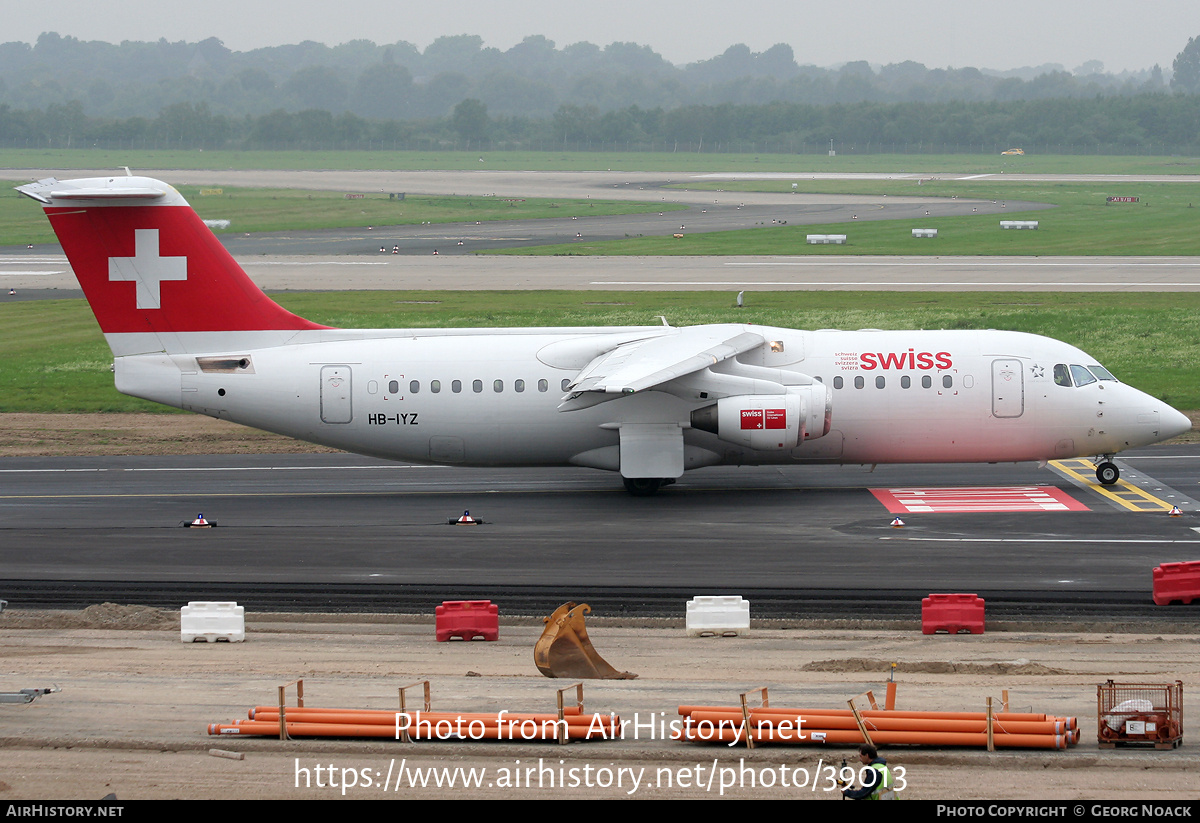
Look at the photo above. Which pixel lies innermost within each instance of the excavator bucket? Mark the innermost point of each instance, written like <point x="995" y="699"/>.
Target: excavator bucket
<point x="564" y="649"/>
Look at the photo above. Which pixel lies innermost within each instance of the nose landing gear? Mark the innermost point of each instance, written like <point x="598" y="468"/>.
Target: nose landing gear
<point x="1107" y="472"/>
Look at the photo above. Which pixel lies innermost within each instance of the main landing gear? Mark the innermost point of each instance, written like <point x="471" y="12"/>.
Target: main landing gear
<point x="1107" y="472"/>
<point x="646" y="486"/>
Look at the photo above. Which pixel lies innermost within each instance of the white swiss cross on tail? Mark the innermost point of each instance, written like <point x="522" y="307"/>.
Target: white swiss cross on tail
<point x="147" y="268"/>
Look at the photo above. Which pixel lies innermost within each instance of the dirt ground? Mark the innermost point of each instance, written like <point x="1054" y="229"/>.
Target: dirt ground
<point x="134" y="705"/>
<point x="92" y="435"/>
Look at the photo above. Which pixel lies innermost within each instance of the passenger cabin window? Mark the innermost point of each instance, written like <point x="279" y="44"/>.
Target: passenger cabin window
<point x="498" y="386"/>
<point x="859" y="382"/>
<point x="947" y="381"/>
<point x="838" y="382"/>
<point x="1081" y="375"/>
<point x="926" y="381"/>
<point x="414" y="386"/>
<point x="905" y="382"/>
<point x="435" y="386"/>
<point x="880" y="382"/>
<point x="393" y="387"/>
<point x="456" y="386"/>
<point x="566" y="382"/>
<point x="518" y="385"/>
<point x="1062" y="376"/>
<point x="543" y="385"/>
<point x="477" y="386"/>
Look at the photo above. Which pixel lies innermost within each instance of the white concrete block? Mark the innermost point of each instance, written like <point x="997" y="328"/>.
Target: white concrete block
<point x="719" y="615"/>
<point x="212" y="621"/>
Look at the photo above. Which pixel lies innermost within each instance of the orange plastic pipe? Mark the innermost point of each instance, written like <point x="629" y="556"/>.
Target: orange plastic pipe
<point x="253" y="728"/>
<point x="854" y="738"/>
<point x="886" y="723"/>
<point x="253" y="713"/>
<point x="792" y="712"/>
<point x="389" y="718"/>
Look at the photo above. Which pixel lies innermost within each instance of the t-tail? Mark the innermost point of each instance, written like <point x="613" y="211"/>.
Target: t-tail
<point x="156" y="277"/>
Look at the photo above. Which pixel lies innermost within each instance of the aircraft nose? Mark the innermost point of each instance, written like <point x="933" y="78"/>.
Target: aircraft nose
<point x="1174" y="423"/>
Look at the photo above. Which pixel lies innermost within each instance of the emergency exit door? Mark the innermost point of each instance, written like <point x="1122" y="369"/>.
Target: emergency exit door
<point x="1008" y="388"/>
<point x="335" y="394"/>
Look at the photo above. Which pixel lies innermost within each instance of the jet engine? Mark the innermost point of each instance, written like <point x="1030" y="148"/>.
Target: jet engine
<point x="768" y="422"/>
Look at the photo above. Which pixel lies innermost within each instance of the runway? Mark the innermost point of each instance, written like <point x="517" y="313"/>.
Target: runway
<point x="48" y="275"/>
<point x="338" y="531"/>
<point x="351" y="258"/>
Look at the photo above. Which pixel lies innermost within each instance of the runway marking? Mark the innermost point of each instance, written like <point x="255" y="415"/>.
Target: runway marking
<point x="1121" y="542"/>
<point x="227" y="469"/>
<point x="30" y="273"/>
<point x="1125" y="283"/>
<point x="315" y="263"/>
<point x="973" y="262"/>
<point x="928" y="500"/>
<point x="1123" y="493"/>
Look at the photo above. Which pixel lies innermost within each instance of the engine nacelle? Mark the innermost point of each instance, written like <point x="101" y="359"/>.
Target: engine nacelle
<point x="769" y="422"/>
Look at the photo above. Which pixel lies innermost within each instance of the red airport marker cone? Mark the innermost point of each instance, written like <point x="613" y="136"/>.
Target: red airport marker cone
<point x="897" y="523"/>
<point x="1176" y="511"/>
<point x="200" y="522"/>
<point x="466" y="520"/>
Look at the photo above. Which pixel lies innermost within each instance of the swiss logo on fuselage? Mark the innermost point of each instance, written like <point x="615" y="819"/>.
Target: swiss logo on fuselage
<point x="911" y="359"/>
<point x="758" y="419"/>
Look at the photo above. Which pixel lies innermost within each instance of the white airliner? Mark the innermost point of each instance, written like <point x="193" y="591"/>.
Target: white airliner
<point x="189" y="329"/>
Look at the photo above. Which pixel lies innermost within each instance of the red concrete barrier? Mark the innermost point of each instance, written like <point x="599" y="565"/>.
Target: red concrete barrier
<point x="468" y="619"/>
<point x="1176" y="581"/>
<point x="952" y="613"/>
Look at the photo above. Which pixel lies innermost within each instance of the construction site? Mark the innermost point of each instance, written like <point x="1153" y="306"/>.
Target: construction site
<point x="131" y="710"/>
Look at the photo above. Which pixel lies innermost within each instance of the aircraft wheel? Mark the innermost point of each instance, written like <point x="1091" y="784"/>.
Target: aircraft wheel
<point x="1107" y="473"/>
<point x="642" y="486"/>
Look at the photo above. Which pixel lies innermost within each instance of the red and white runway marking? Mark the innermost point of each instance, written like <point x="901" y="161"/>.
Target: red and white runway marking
<point x="977" y="499"/>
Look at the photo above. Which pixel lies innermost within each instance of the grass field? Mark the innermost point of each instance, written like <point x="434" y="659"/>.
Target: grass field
<point x="53" y="358"/>
<point x="259" y="210"/>
<point x="594" y="161"/>
<point x="1165" y="220"/>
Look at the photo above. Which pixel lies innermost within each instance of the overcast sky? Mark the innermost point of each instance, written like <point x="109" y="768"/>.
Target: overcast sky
<point x="998" y="34"/>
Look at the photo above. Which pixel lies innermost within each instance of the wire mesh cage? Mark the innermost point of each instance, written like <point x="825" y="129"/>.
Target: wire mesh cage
<point x="1139" y="713"/>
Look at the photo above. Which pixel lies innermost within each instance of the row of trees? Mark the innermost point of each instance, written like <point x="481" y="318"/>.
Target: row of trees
<point x="532" y="79"/>
<point x="1148" y="124"/>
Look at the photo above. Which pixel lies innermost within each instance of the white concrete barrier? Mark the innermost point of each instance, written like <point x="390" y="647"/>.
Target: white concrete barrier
<point x="816" y="239"/>
<point x="718" y="615"/>
<point x="1018" y="224"/>
<point x="924" y="232"/>
<point x="212" y="621"/>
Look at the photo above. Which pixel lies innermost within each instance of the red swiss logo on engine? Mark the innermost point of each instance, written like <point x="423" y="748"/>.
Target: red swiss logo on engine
<point x="764" y="419"/>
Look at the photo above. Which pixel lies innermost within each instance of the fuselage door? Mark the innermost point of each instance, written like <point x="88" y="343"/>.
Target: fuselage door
<point x="1008" y="388"/>
<point x="335" y="394"/>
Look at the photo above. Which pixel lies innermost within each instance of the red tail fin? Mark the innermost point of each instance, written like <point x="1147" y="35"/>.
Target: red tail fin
<point x="147" y="263"/>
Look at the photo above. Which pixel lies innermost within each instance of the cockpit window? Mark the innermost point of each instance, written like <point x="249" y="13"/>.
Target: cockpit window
<point x="1102" y="373"/>
<point x="1062" y="377"/>
<point x="1082" y="376"/>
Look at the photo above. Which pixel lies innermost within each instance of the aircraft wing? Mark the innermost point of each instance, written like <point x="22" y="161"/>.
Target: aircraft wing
<point x="643" y="364"/>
